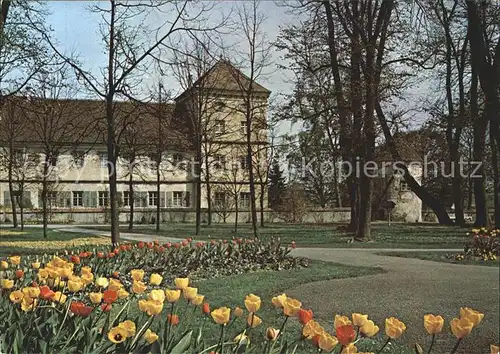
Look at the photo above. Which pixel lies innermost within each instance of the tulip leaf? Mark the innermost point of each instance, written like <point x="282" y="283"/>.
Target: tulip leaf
<point x="183" y="344"/>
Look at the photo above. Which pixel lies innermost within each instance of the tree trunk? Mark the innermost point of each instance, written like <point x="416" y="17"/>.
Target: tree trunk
<point x="11" y="184"/>
<point x="429" y="200"/>
<point x="494" y="141"/>
<point x="209" y="192"/>
<point x="198" y="189"/>
<point x="480" y="124"/>
<point x="236" y="215"/>
<point x="261" y="199"/>
<point x="158" y="191"/>
<point x="251" y="175"/>
<point x="45" y="185"/>
<point x="131" y="200"/>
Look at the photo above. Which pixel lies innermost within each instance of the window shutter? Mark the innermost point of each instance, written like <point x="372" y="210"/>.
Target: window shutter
<point x="93" y="199"/>
<point x="60" y="200"/>
<point x="187" y="199"/>
<point x="169" y="199"/>
<point x="86" y="199"/>
<point x="162" y="199"/>
<point x="6" y="198"/>
<point x="67" y="199"/>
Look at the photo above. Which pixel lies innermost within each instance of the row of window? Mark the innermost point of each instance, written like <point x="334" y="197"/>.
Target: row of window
<point x="222" y="198"/>
<point x="178" y="199"/>
<point x="220" y="127"/>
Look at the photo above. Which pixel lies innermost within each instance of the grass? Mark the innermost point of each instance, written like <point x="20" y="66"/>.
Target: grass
<point x="395" y="236"/>
<point x="231" y="291"/>
<point x="31" y="240"/>
<point x="445" y="257"/>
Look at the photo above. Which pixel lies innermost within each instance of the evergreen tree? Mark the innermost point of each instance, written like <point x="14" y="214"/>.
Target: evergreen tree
<point x="277" y="185"/>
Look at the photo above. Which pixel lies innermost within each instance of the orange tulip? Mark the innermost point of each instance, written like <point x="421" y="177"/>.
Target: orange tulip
<point x="345" y="334"/>
<point x="173" y="319"/>
<point x="110" y="296"/>
<point x="305" y="316"/>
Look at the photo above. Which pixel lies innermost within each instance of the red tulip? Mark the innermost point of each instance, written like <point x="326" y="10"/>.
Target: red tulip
<point x="80" y="309"/>
<point x="345" y="334"/>
<point x="106" y="307"/>
<point x="110" y="296"/>
<point x="140" y="244"/>
<point x="305" y="316"/>
<point x="100" y="255"/>
<point x="173" y="319"/>
<point x="294" y="245"/>
<point x="75" y="259"/>
<point x="19" y="273"/>
<point x="46" y="293"/>
<point x="205" y="308"/>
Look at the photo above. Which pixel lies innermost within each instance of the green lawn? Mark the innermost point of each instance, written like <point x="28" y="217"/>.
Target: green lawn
<point x="395" y="236"/>
<point x="445" y="257"/>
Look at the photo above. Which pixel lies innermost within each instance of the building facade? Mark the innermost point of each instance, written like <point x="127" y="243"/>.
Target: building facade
<point x="206" y="126"/>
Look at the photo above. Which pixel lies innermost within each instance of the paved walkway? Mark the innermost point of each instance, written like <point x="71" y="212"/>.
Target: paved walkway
<point x="409" y="289"/>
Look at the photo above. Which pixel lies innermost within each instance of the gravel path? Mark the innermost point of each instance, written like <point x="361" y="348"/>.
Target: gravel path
<point x="409" y="289"/>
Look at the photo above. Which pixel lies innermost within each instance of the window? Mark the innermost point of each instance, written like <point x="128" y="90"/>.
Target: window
<point x="220" y="198"/>
<point x="78" y="159"/>
<point x="243" y="127"/>
<point x="244" y="163"/>
<point x="152" y="198"/>
<point x="52" y="198"/>
<point x="126" y="198"/>
<point x="177" y="199"/>
<point x="403" y="186"/>
<point x="103" y="198"/>
<point x="78" y="199"/>
<point x="219" y="127"/>
<point x="103" y="157"/>
<point x="219" y="162"/>
<point x="244" y="200"/>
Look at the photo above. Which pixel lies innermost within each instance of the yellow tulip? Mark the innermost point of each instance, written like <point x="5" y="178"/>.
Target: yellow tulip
<point x="31" y="291"/>
<point x="238" y="312"/>
<point x="181" y="283"/>
<point x="472" y="315"/>
<point x="155" y="279"/>
<point x="198" y="300"/>
<point x="394" y="328"/>
<point x="117" y="335"/>
<point x="86" y="270"/>
<point x="129" y="327"/>
<point x="137" y="274"/>
<point x="16" y="296"/>
<point x="75" y="286"/>
<point x="172" y="295"/>
<point x="272" y="334"/>
<point x="143" y="305"/>
<point x="15" y="260"/>
<point x="35" y="265"/>
<point x="494" y="349"/>
<point x="369" y="329"/>
<point x="115" y="285"/>
<point x="359" y="319"/>
<point x="64" y="272"/>
<point x="312" y="329"/>
<point x="461" y="327"/>
<point x="150" y="336"/>
<point x="341" y="321"/>
<point x="327" y="342"/>
<point x="138" y="287"/>
<point x="157" y="295"/>
<point x="42" y="274"/>
<point x="291" y="307"/>
<point x="252" y="303"/>
<point x="154" y="307"/>
<point x="102" y="282"/>
<point x="95" y="298"/>
<point x="122" y="293"/>
<point x="221" y="315"/>
<point x="253" y="320"/>
<point x="242" y="339"/>
<point x="87" y="278"/>
<point x="4" y="265"/>
<point x="59" y="297"/>
<point x="7" y="284"/>
<point x="433" y="324"/>
<point x="189" y="293"/>
<point x="28" y="304"/>
<point x="350" y="349"/>
<point x="279" y="300"/>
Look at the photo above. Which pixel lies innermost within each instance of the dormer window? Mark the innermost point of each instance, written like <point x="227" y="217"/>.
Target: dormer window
<point x="219" y="127"/>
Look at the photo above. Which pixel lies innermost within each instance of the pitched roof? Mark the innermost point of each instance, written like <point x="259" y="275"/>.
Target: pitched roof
<point x="224" y="76"/>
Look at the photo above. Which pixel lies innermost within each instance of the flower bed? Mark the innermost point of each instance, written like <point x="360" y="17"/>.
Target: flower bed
<point x="64" y="305"/>
<point x="484" y="245"/>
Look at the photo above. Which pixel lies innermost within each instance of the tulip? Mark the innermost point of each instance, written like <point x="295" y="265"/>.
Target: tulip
<point x="181" y="283"/>
<point x="359" y="319"/>
<point x="369" y="329"/>
<point x="138" y="287"/>
<point x="205" y="308"/>
<point x="253" y="320"/>
<point x="291" y="307"/>
<point x="242" y="339"/>
<point x="16" y="296"/>
<point x="115" y="284"/>
<point x="238" y="312"/>
<point x="106" y="307"/>
<point x="15" y="260"/>
<point x="110" y="296"/>
<point x="221" y="315"/>
<point x="461" y="327"/>
<point x="4" y="265"/>
<point x="59" y="297"/>
<point x="304" y="316"/>
<point x="7" y="284"/>
<point x="312" y="329"/>
<point x="137" y="274"/>
<point x="157" y="295"/>
<point x="117" y="335"/>
<point x="327" y="342"/>
<point x="19" y="273"/>
<point x="198" y="300"/>
<point x="252" y="303"/>
<point x="155" y="279"/>
<point x="150" y="336"/>
<point x="341" y="321"/>
<point x="102" y="282"/>
<point x="279" y="300"/>
<point x="173" y="319"/>
<point x="35" y="265"/>
<point x="28" y="304"/>
<point x="272" y="333"/>
<point x="75" y="286"/>
<point x="189" y="293"/>
<point x="345" y="334"/>
<point x="129" y="327"/>
<point x="433" y="324"/>
<point x="95" y="298"/>
<point x="153" y="307"/>
<point x="172" y="295"/>
<point x="350" y="349"/>
<point x="394" y="328"/>
<point x="31" y="291"/>
<point x="472" y="315"/>
<point x="122" y="293"/>
<point x="80" y="309"/>
<point x="46" y="293"/>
